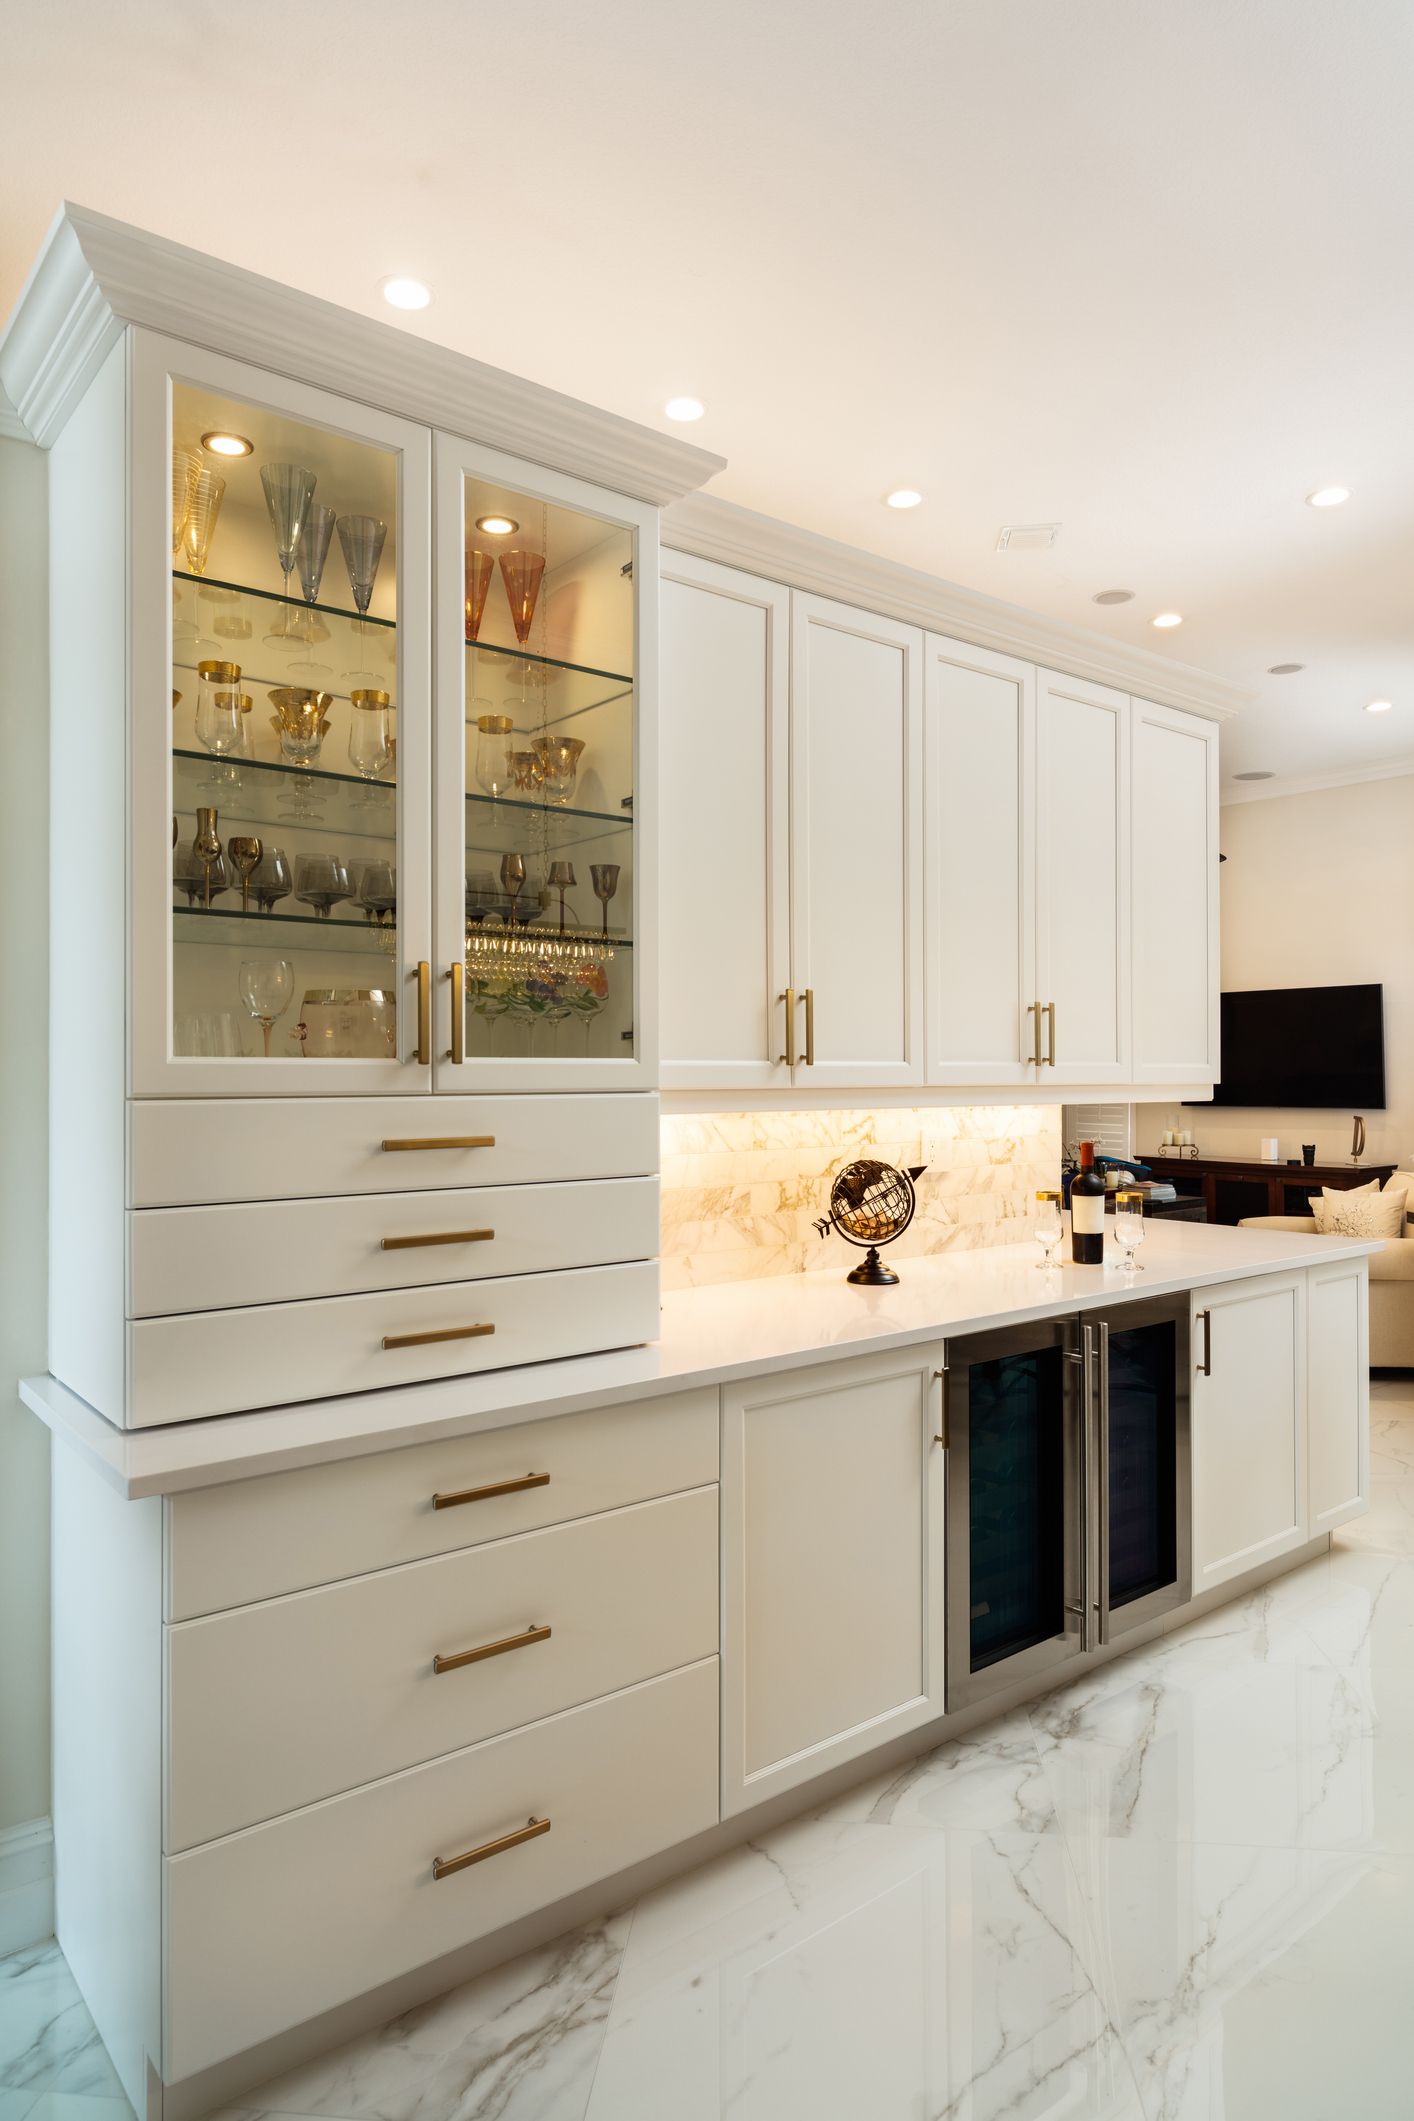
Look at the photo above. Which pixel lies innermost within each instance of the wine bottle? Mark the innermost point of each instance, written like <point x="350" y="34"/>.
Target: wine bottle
<point x="1087" y="1211"/>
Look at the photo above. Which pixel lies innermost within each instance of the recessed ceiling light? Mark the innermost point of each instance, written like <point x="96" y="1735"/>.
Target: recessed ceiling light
<point x="1378" y="706"/>
<point x="1113" y="596"/>
<point x="1328" y="497"/>
<point x="222" y="444"/>
<point x="1253" y="776"/>
<point x="902" y="497"/>
<point x="406" y="294"/>
<point x="684" y="408"/>
<point x="1284" y="670"/>
<point x="498" y="526"/>
<point x="1166" y="619"/>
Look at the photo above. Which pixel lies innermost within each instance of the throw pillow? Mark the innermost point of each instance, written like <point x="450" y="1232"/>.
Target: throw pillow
<point x="1320" y="1202"/>
<point x="1364" y="1214"/>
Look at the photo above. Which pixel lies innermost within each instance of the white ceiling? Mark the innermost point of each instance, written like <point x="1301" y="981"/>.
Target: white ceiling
<point x="1143" y="269"/>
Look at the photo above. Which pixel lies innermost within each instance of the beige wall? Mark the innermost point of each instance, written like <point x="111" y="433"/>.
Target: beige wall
<point x="24" y="1445"/>
<point x="741" y="1190"/>
<point x="1318" y="890"/>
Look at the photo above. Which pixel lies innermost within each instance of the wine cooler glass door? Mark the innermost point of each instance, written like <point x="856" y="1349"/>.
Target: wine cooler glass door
<point x="546" y="609"/>
<point x="281" y="736"/>
<point x="1143" y="1432"/>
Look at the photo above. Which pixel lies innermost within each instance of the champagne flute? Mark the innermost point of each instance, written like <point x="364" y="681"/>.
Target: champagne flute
<point x="267" y="987"/>
<point x="289" y="489"/>
<point x="245" y="852"/>
<point x="1129" y="1226"/>
<point x="204" y="506"/>
<point x="1049" y="1227"/>
<point x="310" y="554"/>
<point x="362" y="539"/>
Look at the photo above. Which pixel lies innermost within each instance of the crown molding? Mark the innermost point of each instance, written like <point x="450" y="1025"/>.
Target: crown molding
<point x="95" y="276"/>
<point x="738" y="537"/>
<point x="1312" y="783"/>
<point x="12" y="427"/>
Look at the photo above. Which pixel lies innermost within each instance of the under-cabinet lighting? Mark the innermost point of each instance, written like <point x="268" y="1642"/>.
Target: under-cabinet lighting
<point x="222" y="444"/>
<point x="498" y="526"/>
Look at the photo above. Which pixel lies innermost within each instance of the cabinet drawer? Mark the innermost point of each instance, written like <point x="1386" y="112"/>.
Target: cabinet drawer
<point x="280" y="1532"/>
<point x="345" y="1675"/>
<point x="266" y="1355"/>
<point x="188" y="1152"/>
<point x="261" y="1252"/>
<point x="272" y="1926"/>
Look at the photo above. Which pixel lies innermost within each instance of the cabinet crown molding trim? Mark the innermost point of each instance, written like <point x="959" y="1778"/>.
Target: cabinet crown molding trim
<point x="95" y="275"/>
<point x="739" y="537"/>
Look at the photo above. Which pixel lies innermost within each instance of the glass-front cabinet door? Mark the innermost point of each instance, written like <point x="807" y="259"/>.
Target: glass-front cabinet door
<point x="546" y="646"/>
<point x="281" y="735"/>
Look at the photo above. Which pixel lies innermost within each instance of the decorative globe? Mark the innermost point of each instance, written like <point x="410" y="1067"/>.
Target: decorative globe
<point x="870" y="1205"/>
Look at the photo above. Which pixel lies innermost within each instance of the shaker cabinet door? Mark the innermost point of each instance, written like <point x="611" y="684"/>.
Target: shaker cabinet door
<point x="979" y="733"/>
<point x="1082" y="879"/>
<point x="832" y="1585"/>
<point x="1174" y="871"/>
<point x="725" y="858"/>
<point x="856" y="846"/>
<point x="280" y="734"/>
<point x="1249" y="1425"/>
<point x="544" y="892"/>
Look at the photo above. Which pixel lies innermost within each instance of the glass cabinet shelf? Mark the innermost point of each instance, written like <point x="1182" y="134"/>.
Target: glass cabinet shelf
<point x="497" y="825"/>
<point x="328" y="649"/>
<point x="297" y="800"/>
<point x="536" y="691"/>
<point x="227" y="926"/>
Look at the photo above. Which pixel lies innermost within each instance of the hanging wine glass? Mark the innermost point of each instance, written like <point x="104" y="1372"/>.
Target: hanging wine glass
<point x="310" y="554"/>
<point x="207" y="493"/>
<point x="289" y="489"/>
<point x="362" y="539"/>
<point x="267" y="988"/>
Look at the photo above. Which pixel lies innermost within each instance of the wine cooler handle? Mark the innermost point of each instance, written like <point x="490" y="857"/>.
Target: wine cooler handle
<point x="1088" y="1599"/>
<point x="1050" y="1034"/>
<point x="1205" y="1320"/>
<point x="1034" y="1009"/>
<point x="787" y="1059"/>
<point x="1102" y="1483"/>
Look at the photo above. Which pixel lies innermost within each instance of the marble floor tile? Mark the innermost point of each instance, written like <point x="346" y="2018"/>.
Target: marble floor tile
<point x="47" y="2039"/>
<point x="1388" y="1525"/>
<point x="1257" y="1984"/>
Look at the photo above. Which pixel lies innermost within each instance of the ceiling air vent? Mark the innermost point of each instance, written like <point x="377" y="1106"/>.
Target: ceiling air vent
<point x="1027" y="537"/>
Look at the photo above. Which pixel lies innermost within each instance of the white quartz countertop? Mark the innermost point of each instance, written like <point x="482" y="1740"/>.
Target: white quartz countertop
<point x="709" y="1336"/>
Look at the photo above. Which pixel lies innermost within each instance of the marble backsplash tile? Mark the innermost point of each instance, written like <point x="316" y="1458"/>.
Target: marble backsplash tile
<point x="741" y="1190"/>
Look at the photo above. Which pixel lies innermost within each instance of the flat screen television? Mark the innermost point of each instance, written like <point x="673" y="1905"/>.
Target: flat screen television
<point x="1322" y="1047"/>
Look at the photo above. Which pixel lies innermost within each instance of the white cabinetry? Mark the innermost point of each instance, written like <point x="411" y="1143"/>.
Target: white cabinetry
<point x="1249" y="1425"/>
<point x="1174" y="872"/>
<point x="1338" y="1393"/>
<point x="1082" y="879"/>
<point x="832" y="1566"/>
<point x="725" y="860"/>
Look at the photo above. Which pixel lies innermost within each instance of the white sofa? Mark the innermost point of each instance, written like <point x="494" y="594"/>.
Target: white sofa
<point x="1391" y="1284"/>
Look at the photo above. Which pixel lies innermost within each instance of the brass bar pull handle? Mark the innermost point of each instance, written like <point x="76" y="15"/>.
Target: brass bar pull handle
<point x="497" y="1487"/>
<point x="810" y="1027"/>
<point x="445" y="1141"/>
<point x="423" y="1340"/>
<point x="424" y="1013"/>
<point x="1205" y="1319"/>
<point x="1034" y="1009"/>
<point x="944" y="1436"/>
<point x="490" y="1649"/>
<point x="436" y="1237"/>
<point x="457" y="975"/>
<point x="1050" y="1034"/>
<point x="444" y="1867"/>
<point x="787" y="1059"/>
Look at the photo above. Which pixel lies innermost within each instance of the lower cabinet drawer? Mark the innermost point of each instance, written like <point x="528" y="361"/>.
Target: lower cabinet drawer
<point x="277" y="1705"/>
<point x="266" y="1355"/>
<point x="277" y="1924"/>
<point x="251" y="1539"/>
<point x="270" y="1252"/>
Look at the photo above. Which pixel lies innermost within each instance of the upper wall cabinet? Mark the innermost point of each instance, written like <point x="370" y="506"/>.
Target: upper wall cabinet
<point x="1082" y="879"/>
<point x="544" y="894"/>
<point x="1174" y="810"/>
<point x="280" y="732"/>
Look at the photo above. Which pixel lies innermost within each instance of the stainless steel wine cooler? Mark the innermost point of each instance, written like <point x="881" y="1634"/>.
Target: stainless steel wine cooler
<point x="1069" y="1489"/>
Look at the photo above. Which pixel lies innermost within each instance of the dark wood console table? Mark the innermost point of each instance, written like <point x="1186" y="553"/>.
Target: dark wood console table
<point x="1232" y="1187"/>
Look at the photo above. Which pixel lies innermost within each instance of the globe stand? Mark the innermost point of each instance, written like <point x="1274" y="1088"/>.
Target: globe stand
<point x="872" y="1272"/>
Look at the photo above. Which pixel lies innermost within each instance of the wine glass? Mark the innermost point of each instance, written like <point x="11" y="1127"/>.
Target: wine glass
<point x="300" y="721"/>
<point x="186" y="468"/>
<point x="267" y="987"/>
<point x="1049" y="1228"/>
<point x="289" y="489"/>
<point x="271" y="877"/>
<point x="321" y="880"/>
<point x="245" y="852"/>
<point x="378" y="892"/>
<point x="521" y="572"/>
<point x="362" y="539"/>
<point x="369" y="752"/>
<point x="203" y="507"/>
<point x="604" y="876"/>
<point x="310" y="554"/>
<point x="493" y="752"/>
<point x="1129" y="1226"/>
<point x="383" y="1008"/>
<point x="479" y="569"/>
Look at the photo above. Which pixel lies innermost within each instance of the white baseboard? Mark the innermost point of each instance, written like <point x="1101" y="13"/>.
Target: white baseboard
<point x="26" y="1885"/>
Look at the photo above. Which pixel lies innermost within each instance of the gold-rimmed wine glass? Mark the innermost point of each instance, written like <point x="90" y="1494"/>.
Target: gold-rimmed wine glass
<point x="1129" y="1226"/>
<point x="245" y="852"/>
<point x="1049" y="1227"/>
